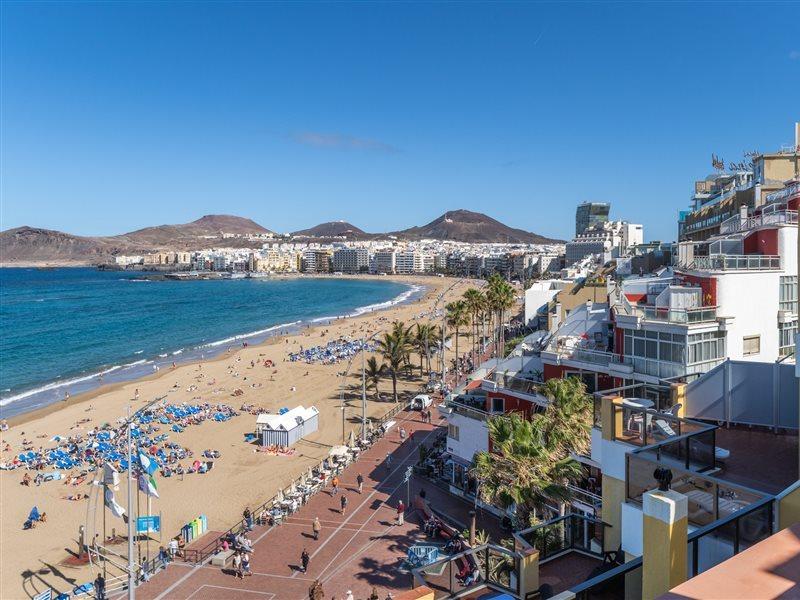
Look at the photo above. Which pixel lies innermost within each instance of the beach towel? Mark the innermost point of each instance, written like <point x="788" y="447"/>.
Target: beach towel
<point x="34" y="514"/>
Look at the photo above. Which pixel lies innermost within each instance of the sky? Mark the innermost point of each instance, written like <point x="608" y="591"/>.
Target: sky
<point x="116" y="116"/>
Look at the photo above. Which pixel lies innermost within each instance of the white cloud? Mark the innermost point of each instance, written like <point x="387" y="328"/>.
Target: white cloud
<point x="336" y="140"/>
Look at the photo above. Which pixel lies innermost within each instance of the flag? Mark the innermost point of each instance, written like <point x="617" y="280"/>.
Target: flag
<point x="148" y="485"/>
<point x="110" y="475"/>
<point x="112" y="505"/>
<point x="148" y="466"/>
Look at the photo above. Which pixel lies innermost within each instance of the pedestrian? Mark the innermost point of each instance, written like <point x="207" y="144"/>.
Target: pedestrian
<point x="349" y="595"/>
<point x="100" y="587"/>
<point x="402" y="434"/>
<point x="237" y="565"/>
<point x="388" y="460"/>
<point x="360" y="482"/>
<point x="316" y="526"/>
<point x="343" y="502"/>
<point x="335" y="484"/>
<point x="246" y="564"/>
<point x="401" y="509"/>
<point x="248" y="519"/>
<point x="304" y="558"/>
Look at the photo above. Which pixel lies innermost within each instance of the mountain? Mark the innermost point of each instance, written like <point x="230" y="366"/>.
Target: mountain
<point x="31" y="245"/>
<point x="187" y="233"/>
<point x="333" y="229"/>
<point x="467" y="226"/>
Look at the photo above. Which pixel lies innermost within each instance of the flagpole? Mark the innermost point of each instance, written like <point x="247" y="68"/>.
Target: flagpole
<point x="363" y="391"/>
<point x="131" y="573"/>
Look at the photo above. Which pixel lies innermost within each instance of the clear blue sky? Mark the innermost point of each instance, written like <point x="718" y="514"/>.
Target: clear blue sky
<point x="117" y="116"/>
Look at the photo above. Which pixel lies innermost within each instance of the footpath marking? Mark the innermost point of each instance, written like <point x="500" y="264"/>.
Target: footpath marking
<point x="270" y="595"/>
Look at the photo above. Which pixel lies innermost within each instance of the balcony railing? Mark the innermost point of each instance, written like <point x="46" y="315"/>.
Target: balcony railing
<point x="571" y="532"/>
<point x="517" y="384"/>
<point x="651" y="366"/>
<point x="787" y="192"/>
<point x="702" y="314"/>
<point x="468" y="409"/>
<point x="778" y="217"/>
<point x="736" y="262"/>
<point x="595" y="357"/>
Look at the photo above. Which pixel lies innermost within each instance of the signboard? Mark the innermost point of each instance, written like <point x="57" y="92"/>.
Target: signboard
<point x="148" y="524"/>
<point x="45" y="595"/>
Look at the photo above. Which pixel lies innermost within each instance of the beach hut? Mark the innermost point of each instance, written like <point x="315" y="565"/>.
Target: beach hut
<point x="286" y="429"/>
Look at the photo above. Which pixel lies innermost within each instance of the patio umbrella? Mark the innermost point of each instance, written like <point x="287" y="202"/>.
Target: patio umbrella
<point x="352" y="439"/>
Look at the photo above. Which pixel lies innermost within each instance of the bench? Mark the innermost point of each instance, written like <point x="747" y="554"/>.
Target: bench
<point x="220" y="559"/>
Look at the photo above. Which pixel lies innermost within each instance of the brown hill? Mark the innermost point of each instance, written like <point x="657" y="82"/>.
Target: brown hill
<point x="26" y="245"/>
<point x="467" y="226"/>
<point x="333" y="229"/>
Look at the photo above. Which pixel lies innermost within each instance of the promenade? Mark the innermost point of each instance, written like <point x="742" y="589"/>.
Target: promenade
<point x="356" y="551"/>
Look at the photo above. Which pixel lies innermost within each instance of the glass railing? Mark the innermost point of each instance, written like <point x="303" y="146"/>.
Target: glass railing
<point x="710" y="499"/>
<point x="778" y="217"/>
<point x="650" y="366"/>
<point x="618" y="583"/>
<point x="570" y="532"/>
<point x="468" y="408"/>
<point x="736" y="262"/>
<point x="485" y="566"/>
<point x="731" y="534"/>
<point x="701" y="314"/>
<point x="517" y="384"/>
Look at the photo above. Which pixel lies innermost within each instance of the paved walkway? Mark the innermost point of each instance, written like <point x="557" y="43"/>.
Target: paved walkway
<point x="357" y="551"/>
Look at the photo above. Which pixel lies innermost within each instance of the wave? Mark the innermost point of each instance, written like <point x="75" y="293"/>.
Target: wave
<point x="243" y="336"/>
<point x="54" y="385"/>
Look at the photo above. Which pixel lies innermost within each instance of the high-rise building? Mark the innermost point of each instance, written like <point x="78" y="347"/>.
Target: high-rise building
<point x="589" y="213"/>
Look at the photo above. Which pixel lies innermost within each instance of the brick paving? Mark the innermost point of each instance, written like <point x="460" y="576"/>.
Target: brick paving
<point x="356" y="551"/>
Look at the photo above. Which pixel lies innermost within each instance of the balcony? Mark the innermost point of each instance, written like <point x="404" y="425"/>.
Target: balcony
<point x="472" y="409"/>
<point x="778" y="217"/>
<point x="736" y="262"/>
<point x="702" y="314"/>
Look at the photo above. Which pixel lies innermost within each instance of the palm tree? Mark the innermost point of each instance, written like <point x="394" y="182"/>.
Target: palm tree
<point x="373" y="373"/>
<point x="394" y="350"/>
<point x="457" y="317"/>
<point x="424" y="338"/>
<point x="531" y="465"/>
<point x="500" y="295"/>
<point x="474" y="298"/>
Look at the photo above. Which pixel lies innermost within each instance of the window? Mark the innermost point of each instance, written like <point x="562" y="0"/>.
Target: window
<point x="666" y="347"/>
<point x="752" y="345"/>
<point x="498" y="405"/>
<point x="788" y="293"/>
<point x="452" y="432"/>
<point x="786" y="333"/>
<point x="706" y="347"/>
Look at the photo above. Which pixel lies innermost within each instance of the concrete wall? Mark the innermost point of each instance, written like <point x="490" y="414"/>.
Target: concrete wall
<point x="473" y="436"/>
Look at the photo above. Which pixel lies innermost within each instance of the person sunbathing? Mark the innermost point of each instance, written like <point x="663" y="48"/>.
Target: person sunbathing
<point x="26" y="479"/>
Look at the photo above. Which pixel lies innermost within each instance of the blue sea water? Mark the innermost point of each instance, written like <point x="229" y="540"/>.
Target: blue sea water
<point x="61" y="328"/>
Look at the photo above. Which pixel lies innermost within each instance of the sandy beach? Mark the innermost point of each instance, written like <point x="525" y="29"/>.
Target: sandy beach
<point x="240" y="477"/>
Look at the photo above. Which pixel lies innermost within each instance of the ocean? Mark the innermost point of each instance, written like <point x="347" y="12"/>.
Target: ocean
<point x="62" y="328"/>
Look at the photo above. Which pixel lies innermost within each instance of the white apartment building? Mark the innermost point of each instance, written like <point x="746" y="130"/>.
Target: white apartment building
<point x="409" y="262"/>
<point x="610" y="238"/>
<point x="384" y="261"/>
<point x="350" y="260"/>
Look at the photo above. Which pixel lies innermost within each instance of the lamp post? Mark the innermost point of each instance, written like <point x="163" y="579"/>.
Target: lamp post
<point x="131" y="571"/>
<point x="363" y="391"/>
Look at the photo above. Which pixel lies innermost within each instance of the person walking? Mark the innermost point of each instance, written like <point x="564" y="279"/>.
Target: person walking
<point x="388" y="460"/>
<point x="335" y="484"/>
<point x="100" y="587"/>
<point x="246" y="564"/>
<point x="360" y="482"/>
<point x="401" y="509"/>
<point x="343" y="502"/>
<point x="248" y="519"/>
<point x="237" y="565"/>
<point x="316" y="527"/>
<point x="304" y="558"/>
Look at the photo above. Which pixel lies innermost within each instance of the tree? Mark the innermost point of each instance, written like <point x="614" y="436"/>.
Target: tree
<point x="474" y="299"/>
<point x="531" y="465"/>
<point x="394" y="349"/>
<point x="457" y="317"/>
<point x="373" y="373"/>
<point x="500" y="296"/>
<point x="424" y="337"/>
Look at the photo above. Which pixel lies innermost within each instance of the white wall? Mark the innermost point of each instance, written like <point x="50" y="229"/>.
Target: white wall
<point x="752" y="299"/>
<point x="473" y="436"/>
<point x="539" y="294"/>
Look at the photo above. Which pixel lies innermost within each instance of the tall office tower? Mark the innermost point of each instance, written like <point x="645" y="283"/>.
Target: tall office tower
<point x="589" y="213"/>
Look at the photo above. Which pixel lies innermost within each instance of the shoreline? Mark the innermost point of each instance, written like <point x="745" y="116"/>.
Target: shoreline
<point x="242" y="476"/>
<point x="91" y="383"/>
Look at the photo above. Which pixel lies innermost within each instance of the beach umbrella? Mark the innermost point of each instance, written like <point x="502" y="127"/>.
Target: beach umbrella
<point x="352" y="440"/>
